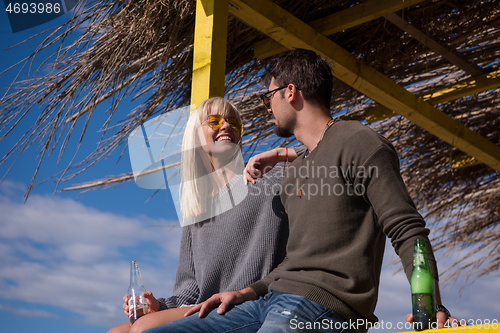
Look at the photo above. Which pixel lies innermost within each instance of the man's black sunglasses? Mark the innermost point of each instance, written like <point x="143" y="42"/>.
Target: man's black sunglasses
<point x="266" y="97"/>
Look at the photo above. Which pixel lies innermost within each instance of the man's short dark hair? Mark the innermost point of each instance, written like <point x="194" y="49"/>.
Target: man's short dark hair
<point x="307" y="71"/>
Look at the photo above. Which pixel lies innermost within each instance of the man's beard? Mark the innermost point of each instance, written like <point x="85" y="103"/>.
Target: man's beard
<point x="285" y="128"/>
<point x="282" y="132"/>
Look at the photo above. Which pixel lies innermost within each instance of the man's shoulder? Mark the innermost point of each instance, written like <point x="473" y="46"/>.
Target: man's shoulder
<point x="355" y="138"/>
<point x="351" y="130"/>
<point x="352" y="127"/>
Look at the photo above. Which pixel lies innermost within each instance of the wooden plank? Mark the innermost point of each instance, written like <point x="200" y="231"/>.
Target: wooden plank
<point x="378" y="113"/>
<point x="348" y="18"/>
<point x="463" y="161"/>
<point x="209" y="55"/>
<point x="457" y="90"/>
<point x="464" y="88"/>
<point x="289" y="31"/>
<point x="450" y="55"/>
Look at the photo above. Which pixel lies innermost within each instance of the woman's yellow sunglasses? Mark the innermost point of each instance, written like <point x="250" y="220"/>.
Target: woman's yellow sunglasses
<point x="216" y="121"/>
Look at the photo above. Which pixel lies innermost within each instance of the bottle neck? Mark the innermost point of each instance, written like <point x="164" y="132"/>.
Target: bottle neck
<point x="420" y="255"/>
<point x="135" y="275"/>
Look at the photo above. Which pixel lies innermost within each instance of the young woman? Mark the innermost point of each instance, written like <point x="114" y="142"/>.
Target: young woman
<point x="233" y="235"/>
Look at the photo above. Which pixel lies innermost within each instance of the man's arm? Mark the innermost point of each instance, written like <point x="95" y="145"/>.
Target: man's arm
<point x="261" y="287"/>
<point x="262" y="163"/>
<point x="398" y="215"/>
<point x="223" y="301"/>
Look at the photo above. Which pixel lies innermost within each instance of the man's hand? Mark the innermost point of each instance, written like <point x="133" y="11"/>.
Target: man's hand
<point x="153" y="304"/>
<point x="442" y="320"/>
<point x="223" y="301"/>
<point x="262" y="163"/>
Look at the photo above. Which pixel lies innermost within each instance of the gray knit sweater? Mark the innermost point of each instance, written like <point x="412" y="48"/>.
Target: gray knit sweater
<point x="233" y="249"/>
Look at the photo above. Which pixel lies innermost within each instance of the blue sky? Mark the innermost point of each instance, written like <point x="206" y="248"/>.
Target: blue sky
<point x="65" y="255"/>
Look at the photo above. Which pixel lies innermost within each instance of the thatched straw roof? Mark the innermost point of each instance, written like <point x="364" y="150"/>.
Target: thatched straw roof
<point x="144" y="48"/>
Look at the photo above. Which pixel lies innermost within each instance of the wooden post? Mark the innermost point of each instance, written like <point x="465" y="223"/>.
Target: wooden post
<point x="209" y="54"/>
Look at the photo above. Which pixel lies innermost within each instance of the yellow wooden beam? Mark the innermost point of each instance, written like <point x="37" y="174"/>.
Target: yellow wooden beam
<point x="289" y="31"/>
<point x="464" y="161"/>
<point x="209" y="54"/>
<point x="342" y="20"/>
<point x="378" y="113"/>
<point x="464" y="88"/>
<point x="457" y="90"/>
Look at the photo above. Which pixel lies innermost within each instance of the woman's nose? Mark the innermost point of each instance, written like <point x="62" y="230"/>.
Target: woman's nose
<point x="225" y="126"/>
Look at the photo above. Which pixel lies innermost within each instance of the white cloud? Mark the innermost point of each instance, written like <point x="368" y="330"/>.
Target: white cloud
<point x="59" y="253"/>
<point x="27" y="313"/>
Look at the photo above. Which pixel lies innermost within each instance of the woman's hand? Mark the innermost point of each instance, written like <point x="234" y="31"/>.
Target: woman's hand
<point x="153" y="304"/>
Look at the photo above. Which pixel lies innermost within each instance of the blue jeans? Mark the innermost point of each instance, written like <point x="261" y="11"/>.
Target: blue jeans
<point x="275" y="312"/>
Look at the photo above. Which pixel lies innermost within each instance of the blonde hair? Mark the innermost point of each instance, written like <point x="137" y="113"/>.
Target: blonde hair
<point x="194" y="189"/>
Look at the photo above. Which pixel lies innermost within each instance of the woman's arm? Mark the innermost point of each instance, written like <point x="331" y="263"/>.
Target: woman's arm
<point x="186" y="290"/>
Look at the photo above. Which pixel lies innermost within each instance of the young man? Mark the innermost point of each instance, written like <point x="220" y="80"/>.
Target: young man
<point x="344" y="196"/>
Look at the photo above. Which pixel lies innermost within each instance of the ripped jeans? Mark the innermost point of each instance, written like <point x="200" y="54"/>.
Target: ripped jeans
<point x="275" y="312"/>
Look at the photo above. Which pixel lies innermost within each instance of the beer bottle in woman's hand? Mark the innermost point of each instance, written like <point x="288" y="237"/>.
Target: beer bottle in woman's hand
<point x="137" y="304"/>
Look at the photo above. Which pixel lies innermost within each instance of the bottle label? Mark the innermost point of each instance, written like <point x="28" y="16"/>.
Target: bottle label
<point x="424" y="314"/>
<point x="420" y="258"/>
<point x="137" y="307"/>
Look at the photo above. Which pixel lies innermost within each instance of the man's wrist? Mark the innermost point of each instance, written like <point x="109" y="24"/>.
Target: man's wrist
<point x="281" y="152"/>
<point x="248" y="294"/>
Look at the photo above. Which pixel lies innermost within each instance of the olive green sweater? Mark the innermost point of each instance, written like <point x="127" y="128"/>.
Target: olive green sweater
<point x="343" y="200"/>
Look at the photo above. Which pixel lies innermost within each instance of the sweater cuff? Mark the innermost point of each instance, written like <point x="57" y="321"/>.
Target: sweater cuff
<point x="260" y="288"/>
<point x="299" y="149"/>
<point x="163" y="304"/>
<point x="430" y="256"/>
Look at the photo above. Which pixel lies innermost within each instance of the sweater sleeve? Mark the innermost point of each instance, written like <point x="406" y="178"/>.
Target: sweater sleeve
<point x="396" y="213"/>
<point x="299" y="149"/>
<point x="261" y="287"/>
<point x="186" y="289"/>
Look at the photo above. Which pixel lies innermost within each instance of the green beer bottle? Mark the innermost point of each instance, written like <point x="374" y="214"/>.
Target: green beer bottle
<point x="422" y="289"/>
